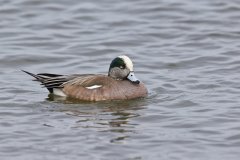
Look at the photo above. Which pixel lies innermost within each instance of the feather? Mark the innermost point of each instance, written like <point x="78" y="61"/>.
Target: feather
<point x="50" y="81"/>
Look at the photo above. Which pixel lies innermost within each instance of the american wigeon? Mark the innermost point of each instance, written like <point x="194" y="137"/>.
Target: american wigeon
<point x="119" y="84"/>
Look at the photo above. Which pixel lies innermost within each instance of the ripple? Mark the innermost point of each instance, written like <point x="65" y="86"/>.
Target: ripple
<point x="187" y="54"/>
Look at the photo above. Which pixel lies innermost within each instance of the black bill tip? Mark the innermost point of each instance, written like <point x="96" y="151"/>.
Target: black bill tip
<point x="136" y="82"/>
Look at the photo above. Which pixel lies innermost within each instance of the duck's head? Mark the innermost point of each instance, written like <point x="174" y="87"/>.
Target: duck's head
<point x="122" y="68"/>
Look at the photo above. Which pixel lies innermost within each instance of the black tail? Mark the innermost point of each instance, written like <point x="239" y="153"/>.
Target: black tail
<point x="49" y="81"/>
<point x="38" y="78"/>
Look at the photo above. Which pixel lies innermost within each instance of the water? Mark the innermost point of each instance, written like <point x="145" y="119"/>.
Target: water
<point x="187" y="53"/>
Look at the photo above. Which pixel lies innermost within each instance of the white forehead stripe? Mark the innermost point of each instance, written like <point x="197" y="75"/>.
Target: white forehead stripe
<point x="128" y="62"/>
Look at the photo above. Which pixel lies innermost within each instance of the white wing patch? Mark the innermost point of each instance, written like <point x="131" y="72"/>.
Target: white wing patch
<point x="94" y="87"/>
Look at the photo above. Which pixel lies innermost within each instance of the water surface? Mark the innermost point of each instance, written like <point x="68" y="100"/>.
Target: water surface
<point x="186" y="52"/>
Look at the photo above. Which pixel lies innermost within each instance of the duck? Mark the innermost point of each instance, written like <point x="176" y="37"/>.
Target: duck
<point x="119" y="84"/>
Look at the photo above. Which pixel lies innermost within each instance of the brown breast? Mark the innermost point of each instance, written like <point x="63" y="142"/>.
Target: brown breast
<point x="111" y="90"/>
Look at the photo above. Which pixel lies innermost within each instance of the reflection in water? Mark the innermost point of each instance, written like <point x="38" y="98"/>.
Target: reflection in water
<point x="107" y="116"/>
<point x="186" y="52"/>
<point x="118" y="139"/>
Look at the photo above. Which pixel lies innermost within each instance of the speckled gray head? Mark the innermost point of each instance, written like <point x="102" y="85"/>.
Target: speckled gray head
<point x="122" y="68"/>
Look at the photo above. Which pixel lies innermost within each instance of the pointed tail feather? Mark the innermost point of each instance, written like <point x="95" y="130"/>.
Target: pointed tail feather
<point x="49" y="81"/>
<point x="38" y="78"/>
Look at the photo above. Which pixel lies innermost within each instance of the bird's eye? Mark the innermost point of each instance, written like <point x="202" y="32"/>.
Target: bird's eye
<point x="122" y="67"/>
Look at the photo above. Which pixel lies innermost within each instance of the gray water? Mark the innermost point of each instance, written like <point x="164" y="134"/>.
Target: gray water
<point x="186" y="52"/>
